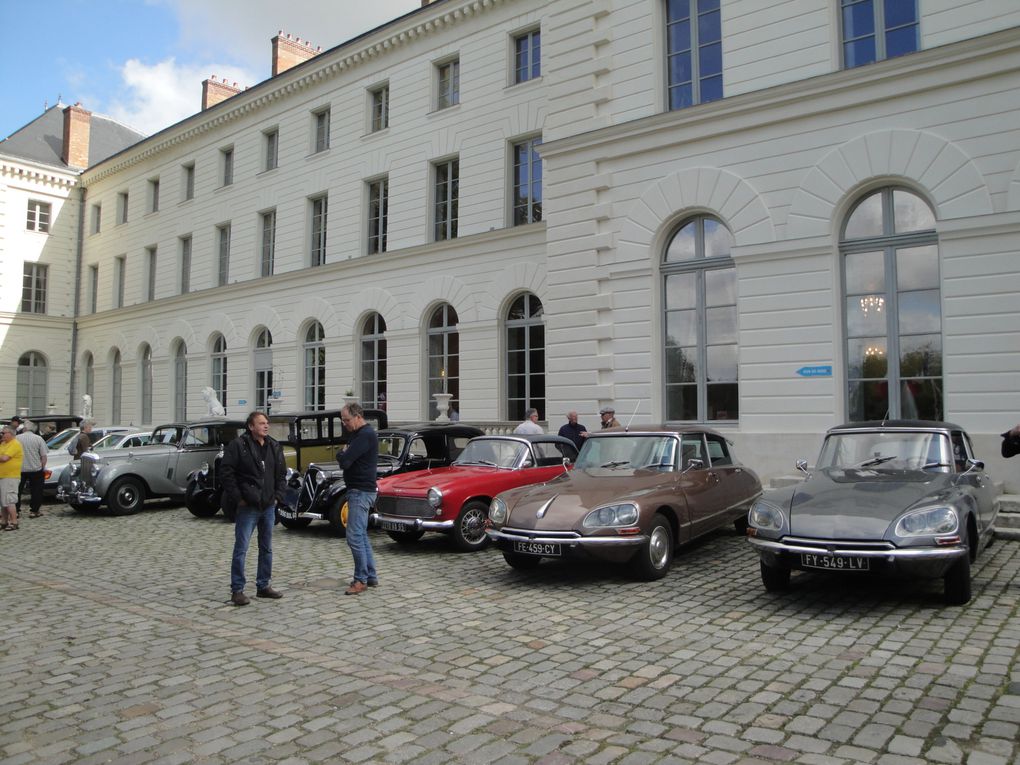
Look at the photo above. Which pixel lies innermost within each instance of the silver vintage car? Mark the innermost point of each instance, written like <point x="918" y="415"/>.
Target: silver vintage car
<point x="124" y="478"/>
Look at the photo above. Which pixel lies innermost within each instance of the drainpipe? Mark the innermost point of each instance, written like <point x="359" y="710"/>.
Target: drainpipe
<point x="79" y="255"/>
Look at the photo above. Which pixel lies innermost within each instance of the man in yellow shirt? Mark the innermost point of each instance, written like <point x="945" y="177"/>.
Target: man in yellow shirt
<point x="10" y="477"/>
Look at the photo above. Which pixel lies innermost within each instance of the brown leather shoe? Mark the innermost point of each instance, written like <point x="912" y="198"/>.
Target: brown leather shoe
<point x="356" y="588"/>
<point x="239" y="598"/>
<point x="269" y="592"/>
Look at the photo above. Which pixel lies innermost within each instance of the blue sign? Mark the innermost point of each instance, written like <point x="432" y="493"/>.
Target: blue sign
<point x="242" y="401"/>
<point x="822" y="370"/>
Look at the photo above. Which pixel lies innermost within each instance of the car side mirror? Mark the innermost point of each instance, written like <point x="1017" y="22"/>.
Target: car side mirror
<point x="694" y="464"/>
<point x="802" y="466"/>
<point x="974" y="465"/>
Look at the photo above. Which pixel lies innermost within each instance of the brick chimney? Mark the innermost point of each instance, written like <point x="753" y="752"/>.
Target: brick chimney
<point x="77" y="127"/>
<point x="213" y="92"/>
<point x="290" y="51"/>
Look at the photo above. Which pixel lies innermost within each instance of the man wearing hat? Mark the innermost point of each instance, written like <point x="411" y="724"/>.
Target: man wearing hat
<point x="18" y="424"/>
<point x="609" y="417"/>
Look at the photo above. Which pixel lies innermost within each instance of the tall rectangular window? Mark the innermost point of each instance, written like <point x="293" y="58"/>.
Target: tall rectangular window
<point x="322" y="130"/>
<point x="122" y="207"/>
<point x="447" y="190"/>
<point x="223" y="248"/>
<point x="272" y="149"/>
<point x="93" y="289"/>
<point x="38" y="216"/>
<point x="33" y="291"/>
<point x="97" y="218"/>
<point x="527" y="56"/>
<point x="378" y="204"/>
<point x="380" y="108"/>
<point x="693" y="52"/>
<point x="268" y="220"/>
<point x="119" y="277"/>
<point x="189" y="180"/>
<point x="527" y="182"/>
<point x="185" y="264"/>
<point x="874" y="30"/>
<point x="319" y="212"/>
<point x="448" y="84"/>
<point x="154" y="195"/>
<point x="227" y="163"/>
<point x="150" y="273"/>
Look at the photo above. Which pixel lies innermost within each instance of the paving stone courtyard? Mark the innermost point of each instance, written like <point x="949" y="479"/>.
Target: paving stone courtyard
<point x="120" y="645"/>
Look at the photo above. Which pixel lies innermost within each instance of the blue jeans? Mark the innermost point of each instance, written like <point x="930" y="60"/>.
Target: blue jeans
<point x="248" y="518"/>
<point x="358" y="505"/>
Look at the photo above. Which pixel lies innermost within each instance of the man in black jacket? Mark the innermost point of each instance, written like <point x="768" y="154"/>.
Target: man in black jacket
<point x="359" y="461"/>
<point x="253" y="473"/>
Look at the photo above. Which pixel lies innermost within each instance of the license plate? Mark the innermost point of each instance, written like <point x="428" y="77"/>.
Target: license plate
<point x="835" y="562"/>
<point x="392" y="526"/>
<point x="537" y="548"/>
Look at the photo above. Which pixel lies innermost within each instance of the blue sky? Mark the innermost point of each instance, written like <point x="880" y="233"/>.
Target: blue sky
<point x="142" y="62"/>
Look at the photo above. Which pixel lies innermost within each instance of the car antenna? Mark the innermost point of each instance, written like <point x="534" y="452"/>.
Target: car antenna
<point x="627" y="426"/>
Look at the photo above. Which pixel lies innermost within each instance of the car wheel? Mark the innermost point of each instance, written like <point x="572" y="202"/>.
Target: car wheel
<point x="522" y="562"/>
<point x="126" y="496"/>
<point x="469" y="528"/>
<point x="337" y="517"/>
<point x="199" y="505"/>
<point x="293" y="523"/>
<point x="957" y="582"/>
<point x="774" y="578"/>
<point x="654" y="559"/>
<point x="405" y="537"/>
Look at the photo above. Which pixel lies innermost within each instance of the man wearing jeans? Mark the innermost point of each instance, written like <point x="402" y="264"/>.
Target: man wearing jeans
<point x="253" y="473"/>
<point x="358" y="461"/>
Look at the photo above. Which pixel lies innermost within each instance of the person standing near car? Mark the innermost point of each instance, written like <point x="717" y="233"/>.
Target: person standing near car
<point x="530" y="424"/>
<point x="32" y="466"/>
<point x="573" y="430"/>
<point x="253" y="471"/>
<point x="10" y="478"/>
<point x="608" y="415"/>
<point x="359" y="462"/>
<point x="84" y="441"/>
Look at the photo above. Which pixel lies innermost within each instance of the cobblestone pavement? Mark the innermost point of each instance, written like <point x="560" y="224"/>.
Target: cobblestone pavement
<point x="119" y="645"/>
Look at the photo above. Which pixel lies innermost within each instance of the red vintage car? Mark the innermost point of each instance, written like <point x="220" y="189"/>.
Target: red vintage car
<point x="455" y="500"/>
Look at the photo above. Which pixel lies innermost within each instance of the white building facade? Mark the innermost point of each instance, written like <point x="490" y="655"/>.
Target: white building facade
<point x="768" y="217"/>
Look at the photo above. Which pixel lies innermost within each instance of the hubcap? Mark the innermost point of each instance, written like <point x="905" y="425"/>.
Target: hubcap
<point x="658" y="547"/>
<point x="473" y="526"/>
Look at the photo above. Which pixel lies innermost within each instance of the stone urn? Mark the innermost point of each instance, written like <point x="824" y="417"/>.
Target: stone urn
<point x="443" y="405"/>
<point x="349" y="399"/>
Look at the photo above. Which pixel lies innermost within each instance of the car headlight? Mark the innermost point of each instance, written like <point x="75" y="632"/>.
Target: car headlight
<point x="765" y="515"/>
<point x="434" y="497"/>
<point x="320" y="477"/>
<point x="498" y="511"/>
<point x="935" y="520"/>
<point x="611" y="515"/>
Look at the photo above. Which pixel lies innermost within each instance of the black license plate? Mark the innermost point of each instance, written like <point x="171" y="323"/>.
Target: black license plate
<point x="835" y="562"/>
<point x="547" y="549"/>
<point x="392" y="526"/>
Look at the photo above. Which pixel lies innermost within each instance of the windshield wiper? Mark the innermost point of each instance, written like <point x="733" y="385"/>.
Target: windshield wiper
<point x="478" y="462"/>
<point x="615" y="463"/>
<point x="935" y="465"/>
<point x="876" y="461"/>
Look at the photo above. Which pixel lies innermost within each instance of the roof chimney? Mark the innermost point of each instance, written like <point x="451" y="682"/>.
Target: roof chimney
<point x="213" y="92"/>
<point x="290" y="51"/>
<point x="77" y="126"/>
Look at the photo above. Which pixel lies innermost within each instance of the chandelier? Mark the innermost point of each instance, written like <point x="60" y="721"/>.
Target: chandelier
<point x="872" y="303"/>
<point x="873" y="352"/>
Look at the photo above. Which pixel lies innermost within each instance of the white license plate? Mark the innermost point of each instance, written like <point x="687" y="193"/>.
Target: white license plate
<point x="835" y="562"/>
<point x="537" y="548"/>
<point x="392" y="526"/>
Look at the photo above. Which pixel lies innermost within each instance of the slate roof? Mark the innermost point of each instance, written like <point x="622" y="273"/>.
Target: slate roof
<point x="41" y="140"/>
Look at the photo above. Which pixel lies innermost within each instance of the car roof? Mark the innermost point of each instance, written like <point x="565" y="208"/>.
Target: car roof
<point x="452" y="428"/>
<point x="895" y="425"/>
<point x="534" y="438"/>
<point x="658" y="429"/>
<point x="203" y="421"/>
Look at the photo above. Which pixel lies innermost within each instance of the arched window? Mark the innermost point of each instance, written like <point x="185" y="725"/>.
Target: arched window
<point x="32" y="383"/>
<point x="263" y="365"/>
<point x="525" y="357"/>
<point x="90" y="376"/>
<point x="181" y="382"/>
<point x="116" y="380"/>
<point x="444" y="358"/>
<point x="892" y="308"/>
<point x="219" y="369"/>
<point x="315" y="367"/>
<point x="373" y="362"/>
<point x="145" y="377"/>
<point x="700" y="302"/>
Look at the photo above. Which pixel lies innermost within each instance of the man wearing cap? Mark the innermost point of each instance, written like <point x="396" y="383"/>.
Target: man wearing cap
<point x="18" y="424"/>
<point x="609" y="417"/>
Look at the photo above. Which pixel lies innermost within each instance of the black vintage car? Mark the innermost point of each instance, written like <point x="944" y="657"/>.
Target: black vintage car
<point x="412" y="447"/>
<point x="305" y="437"/>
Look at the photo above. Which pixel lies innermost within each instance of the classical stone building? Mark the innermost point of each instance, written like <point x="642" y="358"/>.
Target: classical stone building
<point x="771" y="217"/>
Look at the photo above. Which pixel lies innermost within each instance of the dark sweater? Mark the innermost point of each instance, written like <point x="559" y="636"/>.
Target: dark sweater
<point x="360" y="459"/>
<point x="253" y="475"/>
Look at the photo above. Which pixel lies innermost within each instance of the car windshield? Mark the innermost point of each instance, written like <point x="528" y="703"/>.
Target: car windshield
<point x="391" y="446"/>
<point x="107" y="442"/>
<point x="166" y="435"/>
<point x="497" y="452"/>
<point x="61" y="438"/>
<point x="628" y="451"/>
<point x="886" y="450"/>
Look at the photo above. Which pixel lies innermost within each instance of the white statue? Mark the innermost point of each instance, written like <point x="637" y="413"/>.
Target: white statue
<point x="86" y="407"/>
<point x="213" y="406"/>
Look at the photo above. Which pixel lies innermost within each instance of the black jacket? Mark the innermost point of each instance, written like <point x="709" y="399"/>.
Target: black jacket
<point x="252" y="475"/>
<point x="360" y="460"/>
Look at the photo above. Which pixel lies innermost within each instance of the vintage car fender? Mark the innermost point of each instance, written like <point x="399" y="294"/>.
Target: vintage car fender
<point x="113" y="468"/>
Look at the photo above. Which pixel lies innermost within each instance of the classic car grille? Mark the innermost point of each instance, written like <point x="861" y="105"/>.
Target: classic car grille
<point x="89" y="469"/>
<point x="535" y="533"/>
<point x="404" y="507"/>
<point x="825" y="544"/>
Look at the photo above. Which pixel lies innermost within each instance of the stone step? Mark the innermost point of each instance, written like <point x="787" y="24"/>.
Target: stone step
<point x="1009" y="503"/>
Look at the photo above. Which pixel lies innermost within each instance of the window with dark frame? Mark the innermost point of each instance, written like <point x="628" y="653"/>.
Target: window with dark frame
<point x="272" y="149"/>
<point x="373" y="362"/>
<point x="315" y="368"/>
<point x="874" y="30"/>
<point x="525" y="357"/>
<point x="185" y="264"/>
<point x="223" y="249"/>
<point x="268" y="258"/>
<point x="119" y="278"/>
<point x="189" y="180"/>
<point x="150" y="268"/>
<point x="33" y="291"/>
<point x="322" y="119"/>
<point x="527" y="180"/>
<point x="693" y="52"/>
<point x="378" y="204"/>
<point x="447" y="191"/>
<point x="320" y="213"/>
<point x="154" y="195"/>
<point x="443" y="362"/>
<point x="227" y="163"/>
<point x="527" y="56"/>
<point x="448" y="85"/>
<point x="122" y="207"/>
<point x="219" y="368"/>
<point x="93" y="288"/>
<point x="380" y="108"/>
<point x="38" y="216"/>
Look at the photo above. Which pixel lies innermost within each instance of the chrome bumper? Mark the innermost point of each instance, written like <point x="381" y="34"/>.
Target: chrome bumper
<point x="570" y="542"/>
<point x="411" y="524"/>
<point x="950" y="552"/>
<point x="79" y="497"/>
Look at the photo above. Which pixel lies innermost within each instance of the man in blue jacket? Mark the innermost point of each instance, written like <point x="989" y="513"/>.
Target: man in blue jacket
<point x="253" y="471"/>
<point x="358" y="461"/>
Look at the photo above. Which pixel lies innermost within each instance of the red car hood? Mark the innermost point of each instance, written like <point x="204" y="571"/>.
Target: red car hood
<point x="418" y="483"/>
